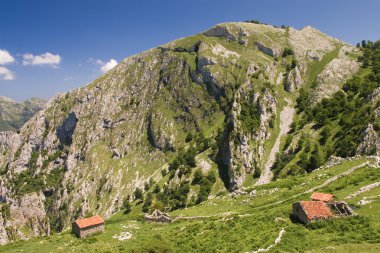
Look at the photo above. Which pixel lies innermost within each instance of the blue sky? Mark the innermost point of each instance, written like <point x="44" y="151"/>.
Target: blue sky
<point x="50" y="46"/>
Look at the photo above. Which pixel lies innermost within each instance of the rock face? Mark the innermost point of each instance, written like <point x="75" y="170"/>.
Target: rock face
<point x="293" y="80"/>
<point x="66" y="130"/>
<point x="91" y="147"/>
<point x="13" y="114"/>
<point x="370" y="144"/>
<point x="3" y="233"/>
<point x="335" y="74"/>
<point x="266" y="50"/>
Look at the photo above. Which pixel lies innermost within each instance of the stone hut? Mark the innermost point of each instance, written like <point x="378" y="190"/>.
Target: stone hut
<point x="308" y="211"/>
<point x="158" y="216"/>
<point x="319" y="196"/>
<point x="88" y="226"/>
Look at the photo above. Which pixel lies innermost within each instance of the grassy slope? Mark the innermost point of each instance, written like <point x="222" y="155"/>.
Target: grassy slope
<point x="241" y="224"/>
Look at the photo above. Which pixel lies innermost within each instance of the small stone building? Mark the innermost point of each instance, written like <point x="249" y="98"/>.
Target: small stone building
<point x="324" y="197"/>
<point x="158" y="216"/>
<point x="322" y="206"/>
<point x="307" y="211"/>
<point x="88" y="226"/>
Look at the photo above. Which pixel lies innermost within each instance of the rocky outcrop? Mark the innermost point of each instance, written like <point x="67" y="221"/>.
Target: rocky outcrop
<point x="30" y="212"/>
<point x="3" y="233"/>
<point x="266" y="50"/>
<point x="310" y="43"/>
<point x="220" y="31"/>
<point x="370" y="144"/>
<point x="66" y="130"/>
<point x="8" y="140"/>
<point x="158" y="216"/>
<point x="25" y="218"/>
<point x="336" y="72"/>
<point x="293" y="80"/>
<point x="160" y="132"/>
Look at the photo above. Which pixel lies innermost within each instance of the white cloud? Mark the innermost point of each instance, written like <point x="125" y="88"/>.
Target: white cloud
<point x="108" y="65"/>
<point x="5" y="57"/>
<point x="104" y="66"/>
<point x="6" y="74"/>
<point x="43" y="59"/>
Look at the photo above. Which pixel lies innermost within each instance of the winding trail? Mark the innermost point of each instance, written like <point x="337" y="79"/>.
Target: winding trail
<point x="286" y="118"/>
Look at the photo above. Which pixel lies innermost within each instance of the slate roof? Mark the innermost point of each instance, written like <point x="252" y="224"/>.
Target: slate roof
<point x="318" y="196"/>
<point x="88" y="222"/>
<point x="316" y="210"/>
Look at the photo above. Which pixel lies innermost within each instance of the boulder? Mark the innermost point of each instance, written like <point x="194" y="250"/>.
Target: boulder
<point x="158" y="216"/>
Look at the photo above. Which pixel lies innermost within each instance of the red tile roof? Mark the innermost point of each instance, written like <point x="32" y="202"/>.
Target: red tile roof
<point x="316" y="210"/>
<point x="321" y="196"/>
<point x="91" y="221"/>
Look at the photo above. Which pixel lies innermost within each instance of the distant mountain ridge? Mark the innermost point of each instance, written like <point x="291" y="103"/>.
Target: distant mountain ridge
<point x="13" y="115"/>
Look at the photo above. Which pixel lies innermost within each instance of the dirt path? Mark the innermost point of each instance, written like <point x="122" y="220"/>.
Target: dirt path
<point x="286" y="118"/>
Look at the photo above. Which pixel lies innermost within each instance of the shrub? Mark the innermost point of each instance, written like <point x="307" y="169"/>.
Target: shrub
<point x="249" y="116"/>
<point x="287" y="51"/>
<point x="138" y="194"/>
<point x="198" y="177"/>
<point x="126" y="205"/>
<point x="257" y="173"/>
<point x="189" y="137"/>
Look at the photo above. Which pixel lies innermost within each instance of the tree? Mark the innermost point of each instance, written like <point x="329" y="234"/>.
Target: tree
<point x="303" y="100"/>
<point x="198" y="177"/>
<point x="257" y="173"/>
<point x="146" y="186"/>
<point x="364" y="43"/>
<point x="138" y="194"/>
<point x="127" y="207"/>
<point x="156" y="189"/>
<point x="189" y="157"/>
<point x="294" y="64"/>
<point x="211" y="177"/>
<point x="147" y="203"/>
<point x="287" y="51"/>
<point x="303" y="161"/>
<point x="325" y="134"/>
<point x="316" y="159"/>
<point x="189" y="137"/>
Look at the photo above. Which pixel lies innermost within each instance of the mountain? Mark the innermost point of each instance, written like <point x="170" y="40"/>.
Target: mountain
<point x="230" y="109"/>
<point x="13" y="114"/>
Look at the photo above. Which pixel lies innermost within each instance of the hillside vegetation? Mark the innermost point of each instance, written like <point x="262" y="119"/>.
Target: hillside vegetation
<point x="345" y="125"/>
<point x="244" y="224"/>
<point x="182" y="126"/>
